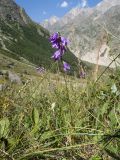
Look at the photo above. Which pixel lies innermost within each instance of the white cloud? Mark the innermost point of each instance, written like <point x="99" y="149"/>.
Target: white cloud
<point x="44" y="12"/>
<point x="64" y="4"/>
<point x="84" y="3"/>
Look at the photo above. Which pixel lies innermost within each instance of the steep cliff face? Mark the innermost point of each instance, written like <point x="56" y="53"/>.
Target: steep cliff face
<point x="10" y="11"/>
<point x="20" y="36"/>
<point x="106" y="5"/>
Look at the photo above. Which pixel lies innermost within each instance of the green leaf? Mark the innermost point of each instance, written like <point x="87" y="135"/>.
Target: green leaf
<point x="46" y="135"/>
<point x="35" y="116"/>
<point x="104" y="108"/>
<point x="112" y="154"/>
<point x="36" y="120"/>
<point x="113" y="120"/>
<point x="4" y="127"/>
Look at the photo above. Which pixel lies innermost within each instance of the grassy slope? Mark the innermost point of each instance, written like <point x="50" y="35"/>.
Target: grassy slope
<point x="27" y="43"/>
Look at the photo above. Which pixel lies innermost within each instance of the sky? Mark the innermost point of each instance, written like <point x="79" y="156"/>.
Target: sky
<point x="39" y="10"/>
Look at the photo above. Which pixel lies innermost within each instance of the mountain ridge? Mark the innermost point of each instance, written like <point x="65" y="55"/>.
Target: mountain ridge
<point x="85" y="30"/>
<point x="102" y="7"/>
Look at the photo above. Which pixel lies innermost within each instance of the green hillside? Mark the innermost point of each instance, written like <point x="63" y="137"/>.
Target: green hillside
<point x="21" y="37"/>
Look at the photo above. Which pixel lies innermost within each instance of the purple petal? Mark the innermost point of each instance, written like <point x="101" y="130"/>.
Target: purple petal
<point x="54" y="45"/>
<point x="66" y="66"/>
<point x="64" y="41"/>
<point x="63" y="49"/>
<point x="57" y="55"/>
<point x="54" y="37"/>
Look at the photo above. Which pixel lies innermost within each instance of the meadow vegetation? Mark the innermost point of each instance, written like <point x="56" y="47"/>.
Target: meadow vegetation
<point x="58" y="117"/>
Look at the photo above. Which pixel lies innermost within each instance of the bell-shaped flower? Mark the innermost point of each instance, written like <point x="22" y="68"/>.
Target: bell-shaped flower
<point x="64" y="41"/>
<point x="66" y="66"/>
<point x="57" y="55"/>
<point x="54" y="37"/>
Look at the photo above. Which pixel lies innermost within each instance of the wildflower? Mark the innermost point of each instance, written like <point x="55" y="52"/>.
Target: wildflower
<point x="66" y="66"/>
<point x="64" y="41"/>
<point x="57" y="55"/>
<point x="82" y="74"/>
<point x="54" y="45"/>
<point x="54" y="37"/>
<point x="59" y="43"/>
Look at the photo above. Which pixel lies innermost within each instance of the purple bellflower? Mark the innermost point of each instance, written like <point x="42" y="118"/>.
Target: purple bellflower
<point x="57" y="55"/>
<point x="59" y="43"/>
<point x="54" y="37"/>
<point x="66" y="66"/>
<point x="64" y="41"/>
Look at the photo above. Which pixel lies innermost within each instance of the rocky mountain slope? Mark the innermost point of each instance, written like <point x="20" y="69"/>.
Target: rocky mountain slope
<point x="92" y="29"/>
<point x="22" y="38"/>
<point x="105" y="5"/>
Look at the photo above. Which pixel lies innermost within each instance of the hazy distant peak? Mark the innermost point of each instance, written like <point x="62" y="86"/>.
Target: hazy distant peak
<point x="50" y="21"/>
<point x="9" y="10"/>
<point x="82" y="13"/>
<point x="74" y="11"/>
<point x="53" y="19"/>
<point x="104" y="5"/>
<point x="78" y="10"/>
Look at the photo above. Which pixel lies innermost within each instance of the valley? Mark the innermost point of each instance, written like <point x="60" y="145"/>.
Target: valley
<point x="60" y="82"/>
